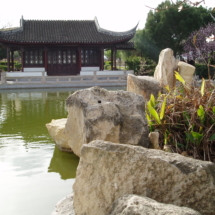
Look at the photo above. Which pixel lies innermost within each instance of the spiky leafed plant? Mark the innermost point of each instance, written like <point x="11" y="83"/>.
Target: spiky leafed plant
<point x="185" y="119"/>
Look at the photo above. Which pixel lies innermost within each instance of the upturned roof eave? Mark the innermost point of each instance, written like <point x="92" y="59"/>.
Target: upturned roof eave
<point x="113" y="33"/>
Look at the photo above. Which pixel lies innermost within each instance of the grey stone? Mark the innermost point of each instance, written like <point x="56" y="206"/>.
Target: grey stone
<point x="99" y="114"/>
<point x="107" y="171"/>
<point x="164" y="71"/>
<point x="186" y="71"/>
<point x="139" y="205"/>
<point x="65" y="206"/>
<point x="143" y="85"/>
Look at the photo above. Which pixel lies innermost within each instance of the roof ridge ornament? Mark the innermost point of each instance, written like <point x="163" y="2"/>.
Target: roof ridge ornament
<point x="14" y="30"/>
<point x="21" y="22"/>
<point x="105" y="31"/>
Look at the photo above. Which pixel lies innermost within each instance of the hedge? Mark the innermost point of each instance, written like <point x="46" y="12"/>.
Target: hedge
<point x="18" y="66"/>
<point x="2" y="67"/>
<point x="202" y="71"/>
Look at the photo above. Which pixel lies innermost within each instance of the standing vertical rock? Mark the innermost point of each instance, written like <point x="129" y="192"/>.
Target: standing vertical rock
<point x="164" y="71"/>
<point x="99" y="114"/>
<point x="186" y="71"/>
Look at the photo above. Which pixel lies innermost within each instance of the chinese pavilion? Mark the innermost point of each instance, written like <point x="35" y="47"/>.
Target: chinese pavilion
<point x="63" y="47"/>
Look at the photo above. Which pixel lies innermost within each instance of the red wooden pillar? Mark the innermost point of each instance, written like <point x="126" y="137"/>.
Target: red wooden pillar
<point x="79" y="59"/>
<point x="46" y="59"/>
<point x="112" y="59"/>
<point x="8" y="59"/>
<point x="22" y="57"/>
<point x="101" y="59"/>
<point x="12" y="60"/>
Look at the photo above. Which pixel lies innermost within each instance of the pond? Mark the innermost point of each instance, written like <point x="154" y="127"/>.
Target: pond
<point x="34" y="174"/>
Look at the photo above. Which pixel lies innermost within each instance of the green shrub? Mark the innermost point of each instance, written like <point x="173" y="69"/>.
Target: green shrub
<point x="133" y="63"/>
<point x="18" y="66"/>
<point x="185" y="119"/>
<point x="3" y="63"/>
<point x="107" y="65"/>
<point x="201" y="70"/>
<point x="2" y="67"/>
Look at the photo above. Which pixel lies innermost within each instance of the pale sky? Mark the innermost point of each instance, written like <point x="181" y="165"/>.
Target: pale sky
<point x="116" y="15"/>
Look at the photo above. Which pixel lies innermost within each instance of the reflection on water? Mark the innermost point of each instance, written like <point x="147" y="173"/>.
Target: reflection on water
<point x="65" y="169"/>
<point x="32" y="110"/>
<point x="34" y="174"/>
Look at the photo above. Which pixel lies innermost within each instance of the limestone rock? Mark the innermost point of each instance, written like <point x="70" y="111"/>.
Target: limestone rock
<point x="143" y="85"/>
<point x="164" y="71"/>
<point x="108" y="171"/>
<point x="186" y="71"/>
<point x="139" y="205"/>
<point x="154" y="140"/>
<point x="56" y="131"/>
<point x="99" y="114"/>
<point x="65" y="206"/>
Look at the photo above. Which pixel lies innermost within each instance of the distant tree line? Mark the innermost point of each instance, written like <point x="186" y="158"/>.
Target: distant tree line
<point x="169" y="27"/>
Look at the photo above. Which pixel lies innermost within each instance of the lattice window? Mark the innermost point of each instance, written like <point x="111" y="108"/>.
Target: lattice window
<point x="59" y="57"/>
<point x="69" y="57"/>
<point x="90" y="57"/>
<point x="33" y="57"/>
<point x="73" y="57"/>
<point x="64" y="56"/>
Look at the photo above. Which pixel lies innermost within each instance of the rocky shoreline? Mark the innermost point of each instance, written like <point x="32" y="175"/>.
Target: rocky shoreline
<point x="118" y="173"/>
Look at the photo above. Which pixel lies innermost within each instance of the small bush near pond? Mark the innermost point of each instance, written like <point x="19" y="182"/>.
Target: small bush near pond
<point x="107" y="65"/>
<point x="185" y="119"/>
<point x="18" y="66"/>
<point x="3" y="68"/>
<point x="3" y="63"/>
<point x="133" y="63"/>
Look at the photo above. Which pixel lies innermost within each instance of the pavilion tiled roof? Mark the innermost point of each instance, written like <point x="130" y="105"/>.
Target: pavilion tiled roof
<point x="127" y="45"/>
<point x="56" y="31"/>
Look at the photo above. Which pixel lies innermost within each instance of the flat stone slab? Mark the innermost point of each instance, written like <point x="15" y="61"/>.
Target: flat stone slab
<point x="107" y="171"/>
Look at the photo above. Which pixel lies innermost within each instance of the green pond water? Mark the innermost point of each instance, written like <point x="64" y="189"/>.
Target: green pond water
<point x="34" y="174"/>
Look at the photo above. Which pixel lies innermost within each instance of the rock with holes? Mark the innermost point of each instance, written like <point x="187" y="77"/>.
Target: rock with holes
<point x="139" y="205"/>
<point x="98" y="114"/>
<point x="143" y="85"/>
<point x="108" y="171"/>
<point x="164" y="71"/>
<point x="56" y="131"/>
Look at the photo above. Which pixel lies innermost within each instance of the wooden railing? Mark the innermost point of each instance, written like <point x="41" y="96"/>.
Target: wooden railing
<point x="74" y="80"/>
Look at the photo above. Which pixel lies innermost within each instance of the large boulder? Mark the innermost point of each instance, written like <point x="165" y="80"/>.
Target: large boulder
<point x="143" y="85"/>
<point x="139" y="205"/>
<point x="186" y="71"/>
<point x="108" y="171"/>
<point x="99" y="114"/>
<point x="164" y="71"/>
<point x="57" y="133"/>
